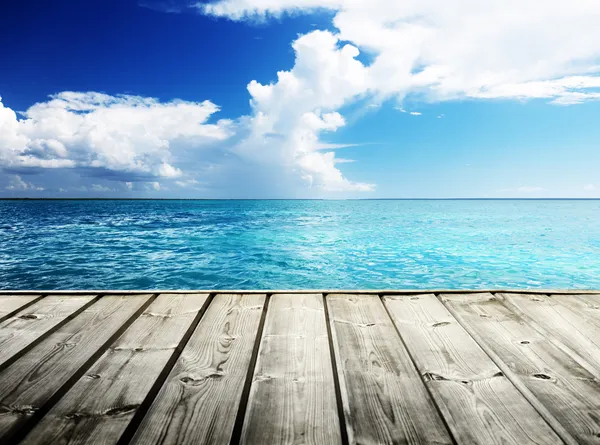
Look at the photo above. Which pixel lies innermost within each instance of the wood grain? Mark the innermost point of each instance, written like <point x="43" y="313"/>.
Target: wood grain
<point x="566" y="326"/>
<point x="34" y="378"/>
<point x="123" y="376"/>
<point x="28" y="325"/>
<point x="292" y="398"/>
<point x="569" y="392"/>
<point x="11" y="303"/>
<point x="384" y="398"/>
<point x="480" y="405"/>
<point x="586" y="307"/>
<point x="200" y="398"/>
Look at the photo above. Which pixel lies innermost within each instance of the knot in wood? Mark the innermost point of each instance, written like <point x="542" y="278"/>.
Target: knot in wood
<point x="29" y="317"/>
<point x="542" y="376"/>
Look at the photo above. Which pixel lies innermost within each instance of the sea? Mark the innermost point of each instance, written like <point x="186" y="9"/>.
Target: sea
<point x="299" y="244"/>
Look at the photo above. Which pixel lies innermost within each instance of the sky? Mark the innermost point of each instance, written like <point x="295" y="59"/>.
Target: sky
<point x="300" y="99"/>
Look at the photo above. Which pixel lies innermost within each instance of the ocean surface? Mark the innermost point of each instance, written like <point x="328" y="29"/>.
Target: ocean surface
<point x="375" y="244"/>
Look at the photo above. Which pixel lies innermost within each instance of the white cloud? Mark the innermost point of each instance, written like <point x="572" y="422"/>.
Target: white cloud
<point x="18" y="184"/>
<point x="100" y="188"/>
<point x="326" y="146"/>
<point x="430" y="50"/>
<point x="142" y="140"/>
<point x="443" y="50"/>
<point x="423" y="50"/>
<point x="290" y="114"/>
<point x="589" y="187"/>
<point x="132" y="134"/>
<point x="188" y="183"/>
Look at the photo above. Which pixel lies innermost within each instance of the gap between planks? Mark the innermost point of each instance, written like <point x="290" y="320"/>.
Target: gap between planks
<point x="427" y="388"/>
<point x="512" y="377"/>
<point x="21" y="307"/>
<point x="141" y="412"/>
<point x="31" y="344"/>
<point x="130" y="431"/>
<point x="336" y="377"/>
<point x="19" y="431"/>
<point x="238" y="425"/>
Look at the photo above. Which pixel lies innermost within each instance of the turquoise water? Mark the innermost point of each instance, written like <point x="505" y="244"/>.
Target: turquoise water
<point x="299" y="244"/>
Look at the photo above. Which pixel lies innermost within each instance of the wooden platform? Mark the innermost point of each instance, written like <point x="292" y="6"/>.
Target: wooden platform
<point x="373" y="367"/>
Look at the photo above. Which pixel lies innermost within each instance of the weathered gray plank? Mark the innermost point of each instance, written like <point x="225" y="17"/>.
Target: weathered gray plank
<point x="480" y="405"/>
<point x="29" y="382"/>
<point x="384" y="399"/>
<point x="584" y="306"/>
<point x="200" y="398"/>
<point x="101" y="404"/>
<point x="31" y="323"/>
<point x="575" y="333"/>
<point x="292" y="398"/>
<point x="10" y="303"/>
<point x="567" y="390"/>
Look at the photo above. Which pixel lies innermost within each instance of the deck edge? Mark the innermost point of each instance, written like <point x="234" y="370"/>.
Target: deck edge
<point x="299" y="291"/>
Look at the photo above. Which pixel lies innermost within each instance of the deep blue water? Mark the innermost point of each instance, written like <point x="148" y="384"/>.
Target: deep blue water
<point x="299" y="244"/>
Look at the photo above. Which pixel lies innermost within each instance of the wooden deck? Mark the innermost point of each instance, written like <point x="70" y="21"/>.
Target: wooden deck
<point x="372" y="367"/>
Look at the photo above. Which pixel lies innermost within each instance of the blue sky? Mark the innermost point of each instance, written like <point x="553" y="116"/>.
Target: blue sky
<point x="170" y="99"/>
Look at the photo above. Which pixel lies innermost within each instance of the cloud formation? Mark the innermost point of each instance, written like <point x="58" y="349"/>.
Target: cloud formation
<point x="134" y="139"/>
<point x="124" y="134"/>
<point x="16" y="183"/>
<point x="444" y="50"/>
<point x="426" y="50"/>
<point x="290" y="114"/>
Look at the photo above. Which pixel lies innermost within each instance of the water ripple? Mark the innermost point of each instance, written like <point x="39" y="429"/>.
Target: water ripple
<point x="299" y="244"/>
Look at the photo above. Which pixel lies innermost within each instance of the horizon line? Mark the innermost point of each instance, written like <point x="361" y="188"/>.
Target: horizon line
<point x="295" y="199"/>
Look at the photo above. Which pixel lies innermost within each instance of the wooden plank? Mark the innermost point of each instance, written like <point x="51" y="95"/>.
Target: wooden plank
<point x="568" y="391"/>
<point x="480" y="405"/>
<point x="292" y="398"/>
<point x="383" y="396"/>
<point x="566" y="326"/>
<point x="33" y="379"/>
<point x="11" y="303"/>
<point x="101" y="405"/>
<point x="586" y="307"/>
<point x="200" y="398"/>
<point x="33" y="322"/>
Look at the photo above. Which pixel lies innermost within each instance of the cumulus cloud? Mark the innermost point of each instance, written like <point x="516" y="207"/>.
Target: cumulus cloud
<point x="100" y="188"/>
<point x="18" y="184"/>
<point x="443" y="50"/>
<point x="290" y="114"/>
<point x="429" y="50"/>
<point x="131" y="134"/>
<point x="419" y="51"/>
<point x="138" y="139"/>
